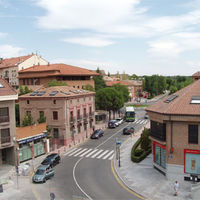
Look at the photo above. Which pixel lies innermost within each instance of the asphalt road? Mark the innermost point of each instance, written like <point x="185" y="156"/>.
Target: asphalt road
<point x="84" y="176"/>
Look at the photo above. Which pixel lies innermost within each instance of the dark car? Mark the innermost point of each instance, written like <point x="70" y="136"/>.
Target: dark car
<point x="128" y="130"/>
<point x="112" y="124"/>
<point x="52" y="160"/>
<point x="146" y="116"/>
<point x="43" y="173"/>
<point x="97" y="134"/>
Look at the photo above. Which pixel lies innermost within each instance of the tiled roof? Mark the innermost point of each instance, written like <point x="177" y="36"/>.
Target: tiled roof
<point x="31" y="87"/>
<point x="6" y="89"/>
<point x="196" y="74"/>
<point x="55" y="70"/>
<point x="56" y="92"/>
<point x="30" y="131"/>
<point x="10" y="62"/>
<point x="181" y="105"/>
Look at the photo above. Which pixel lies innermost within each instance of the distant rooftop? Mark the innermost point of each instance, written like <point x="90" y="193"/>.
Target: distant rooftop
<point x="6" y="89"/>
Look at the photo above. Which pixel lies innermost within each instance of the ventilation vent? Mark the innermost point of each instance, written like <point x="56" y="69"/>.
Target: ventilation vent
<point x="171" y="98"/>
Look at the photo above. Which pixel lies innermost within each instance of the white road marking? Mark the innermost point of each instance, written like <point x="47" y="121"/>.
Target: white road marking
<point x="111" y="152"/>
<point x="75" y="152"/>
<point x="91" y="153"/>
<point x="111" y="157"/>
<point x="97" y="153"/>
<point x="70" y="151"/>
<point x="80" y="152"/>
<point x="85" y="152"/>
<point x="103" y="154"/>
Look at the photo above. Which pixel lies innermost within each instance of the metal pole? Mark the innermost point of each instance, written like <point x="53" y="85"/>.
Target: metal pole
<point x="17" y="168"/>
<point x="119" y="157"/>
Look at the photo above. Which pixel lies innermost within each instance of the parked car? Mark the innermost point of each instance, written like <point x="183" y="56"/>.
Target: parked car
<point x="52" y="160"/>
<point x="128" y="130"/>
<point x="97" y="134"/>
<point x="43" y="173"/>
<point x="119" y="121"/>
<point x="146" y="116"/>
<point x="112" y="124"/>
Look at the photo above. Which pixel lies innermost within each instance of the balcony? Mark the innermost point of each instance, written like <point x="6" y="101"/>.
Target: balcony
<point x="72" y="120"/>
<point x="5" y="141"/>
<point x="4" y="119"/>
<point x="91" y="114"/>
<point x="79" y="118"/>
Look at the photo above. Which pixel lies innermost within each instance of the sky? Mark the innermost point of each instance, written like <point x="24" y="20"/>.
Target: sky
<point x="141" y="37"/>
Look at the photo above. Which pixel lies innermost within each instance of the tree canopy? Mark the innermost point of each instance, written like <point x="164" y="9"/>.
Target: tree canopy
<point x="123" y="90"/>
<point x="56" y="83"/>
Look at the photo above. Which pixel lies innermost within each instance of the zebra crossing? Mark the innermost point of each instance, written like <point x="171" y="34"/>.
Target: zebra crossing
<point x="91" y="153"/>
<point x="140" y="121"/>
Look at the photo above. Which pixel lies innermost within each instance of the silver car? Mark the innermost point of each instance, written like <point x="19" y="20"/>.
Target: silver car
<point x="43" y="173"/>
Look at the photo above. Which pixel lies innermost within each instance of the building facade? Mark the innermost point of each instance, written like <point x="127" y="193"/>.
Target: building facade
<point x="9" y="67"/>
<point x="175" y="129"/>
<point x="31" y="142"/>
<point x="7" y="123"/>
<point x="75" y="77"/>
<point x="69" y="113"/>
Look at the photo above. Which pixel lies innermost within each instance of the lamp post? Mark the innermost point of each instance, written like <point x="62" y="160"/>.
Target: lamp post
<point x="118" y="144"/>
<point x="16" y="160"/>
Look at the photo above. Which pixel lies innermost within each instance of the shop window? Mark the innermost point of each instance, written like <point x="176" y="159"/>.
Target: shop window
<point x="55" y="133"/>
<point x="160" y="156"/>
<point x="55" y="115"/>
<point x="193" y="134"/>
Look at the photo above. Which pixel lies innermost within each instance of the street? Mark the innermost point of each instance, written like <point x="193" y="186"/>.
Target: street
<point x="85" y="172"/>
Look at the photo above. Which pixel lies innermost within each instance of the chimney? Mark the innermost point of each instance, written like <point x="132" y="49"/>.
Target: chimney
<point x="48" y="63"/>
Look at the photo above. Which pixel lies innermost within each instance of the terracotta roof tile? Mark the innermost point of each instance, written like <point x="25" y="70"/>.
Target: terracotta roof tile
<point x="196" y="74"/>
<point x="9" y="62"/>
<point x="54" y="70"/>
<point x="6" y="89"/>
<point x="58" y="91"/>
<point x="181" y="105"/>
<point x="30" y="131"/>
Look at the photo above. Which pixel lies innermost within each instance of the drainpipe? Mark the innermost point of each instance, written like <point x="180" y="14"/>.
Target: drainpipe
<point x="171" y="146"/>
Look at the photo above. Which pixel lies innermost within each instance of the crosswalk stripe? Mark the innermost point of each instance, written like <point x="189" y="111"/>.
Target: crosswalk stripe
<point x="102" y="154"/>
<point x="108" y="155"/>
<point x="111" y="157"/>
<point x="97" y="153"/>
<point x="75" y="152"/>
<point x="85" y="152"/>
<point x="91" y="153"/>
<point x="142" y="121"/>
<point x="70" y="151"/>
<point x="136" y="121"/>
<point x="80" y="152"/>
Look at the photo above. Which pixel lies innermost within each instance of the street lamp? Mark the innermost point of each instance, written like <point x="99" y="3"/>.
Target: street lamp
<point x="118" y="144"/>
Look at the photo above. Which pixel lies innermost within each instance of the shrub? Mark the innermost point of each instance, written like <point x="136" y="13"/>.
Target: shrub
<point x="138" y="152"/>
<point x="42" y="119"/>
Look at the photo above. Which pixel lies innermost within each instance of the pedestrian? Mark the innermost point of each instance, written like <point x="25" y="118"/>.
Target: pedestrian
<point x="52" y="196"/>
<point x="176" y="187"/>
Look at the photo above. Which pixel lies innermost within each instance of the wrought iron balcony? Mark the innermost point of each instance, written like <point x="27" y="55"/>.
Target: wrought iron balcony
<point x="79" y="118"/>
<point x="5" y="141"/>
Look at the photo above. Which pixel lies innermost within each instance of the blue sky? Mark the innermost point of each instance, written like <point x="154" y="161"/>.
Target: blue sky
<point x="142" y="37"/>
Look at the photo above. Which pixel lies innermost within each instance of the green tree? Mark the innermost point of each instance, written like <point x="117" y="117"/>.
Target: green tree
<point x="56" y="83"/>
<point x="27" y="120"/>
<point x="133" y="77"/>
<point x="98" y="81"/>
<point x="145" y="141"/>
<point x="88" y="87"/>
<point x="27" y="90"/>
<point x="173" y="89"/>
<point x="123" y="90"/>
<point x="21" y="91"/>
<point x="108" y="99"/>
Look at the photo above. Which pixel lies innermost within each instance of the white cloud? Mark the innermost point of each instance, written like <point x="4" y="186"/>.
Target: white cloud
<point x="7" y="51"/>
<point x="90" y="41"/>
<point x="3" y="35"/>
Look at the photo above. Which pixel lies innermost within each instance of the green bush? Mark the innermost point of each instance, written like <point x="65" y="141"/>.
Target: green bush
<point x="42" y="119"/>
<point x="139" y="152"/>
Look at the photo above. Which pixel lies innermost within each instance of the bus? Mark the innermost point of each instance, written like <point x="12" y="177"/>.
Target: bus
<point x="130" y="114"/>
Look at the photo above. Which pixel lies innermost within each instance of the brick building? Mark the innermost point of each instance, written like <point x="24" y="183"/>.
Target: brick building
<point x="134" y="87"/>
<point x="75" y="77"/>
<point x="9" y="67"/>
<point x="69" y="113"/>
<point x="7" y="123"/>
<point x="175" y="132"/>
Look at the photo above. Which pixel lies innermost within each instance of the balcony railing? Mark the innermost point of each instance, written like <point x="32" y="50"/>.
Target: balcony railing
<point x="4" y="119"/>
<point x="91" y="114"/>
<point x="5" y="141"/>
<point x="79" y="118"/>
<point x="72" y="120"/>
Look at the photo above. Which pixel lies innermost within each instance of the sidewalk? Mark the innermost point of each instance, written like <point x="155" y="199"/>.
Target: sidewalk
<point x="143" y="179"/>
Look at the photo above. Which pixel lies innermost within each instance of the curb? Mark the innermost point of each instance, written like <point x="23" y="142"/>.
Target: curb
<point x="121" y="179"/>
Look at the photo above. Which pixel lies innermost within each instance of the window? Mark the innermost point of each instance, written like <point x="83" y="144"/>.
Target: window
<point x="193" y="134"/>
<point x="160" y="156"/>
<point x="28" y="112"/>
<point x="84" y="112"/>
<point x="4" y="114"/>
<point x="158" y="130"/>
<point x="79" y="128"/>
<point x="85" y="127"/>
<point x="55" y="133"/>
<point x="5" y="135"/>
<point x="54" y="101"/>
<point x="55" y="115"/>
<point x="27" y="102"/>
<point x="71" y="116"/>
<point x="90" y="110"/>
<point x="24" y="82"/>
<point x="41" y="114"/>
